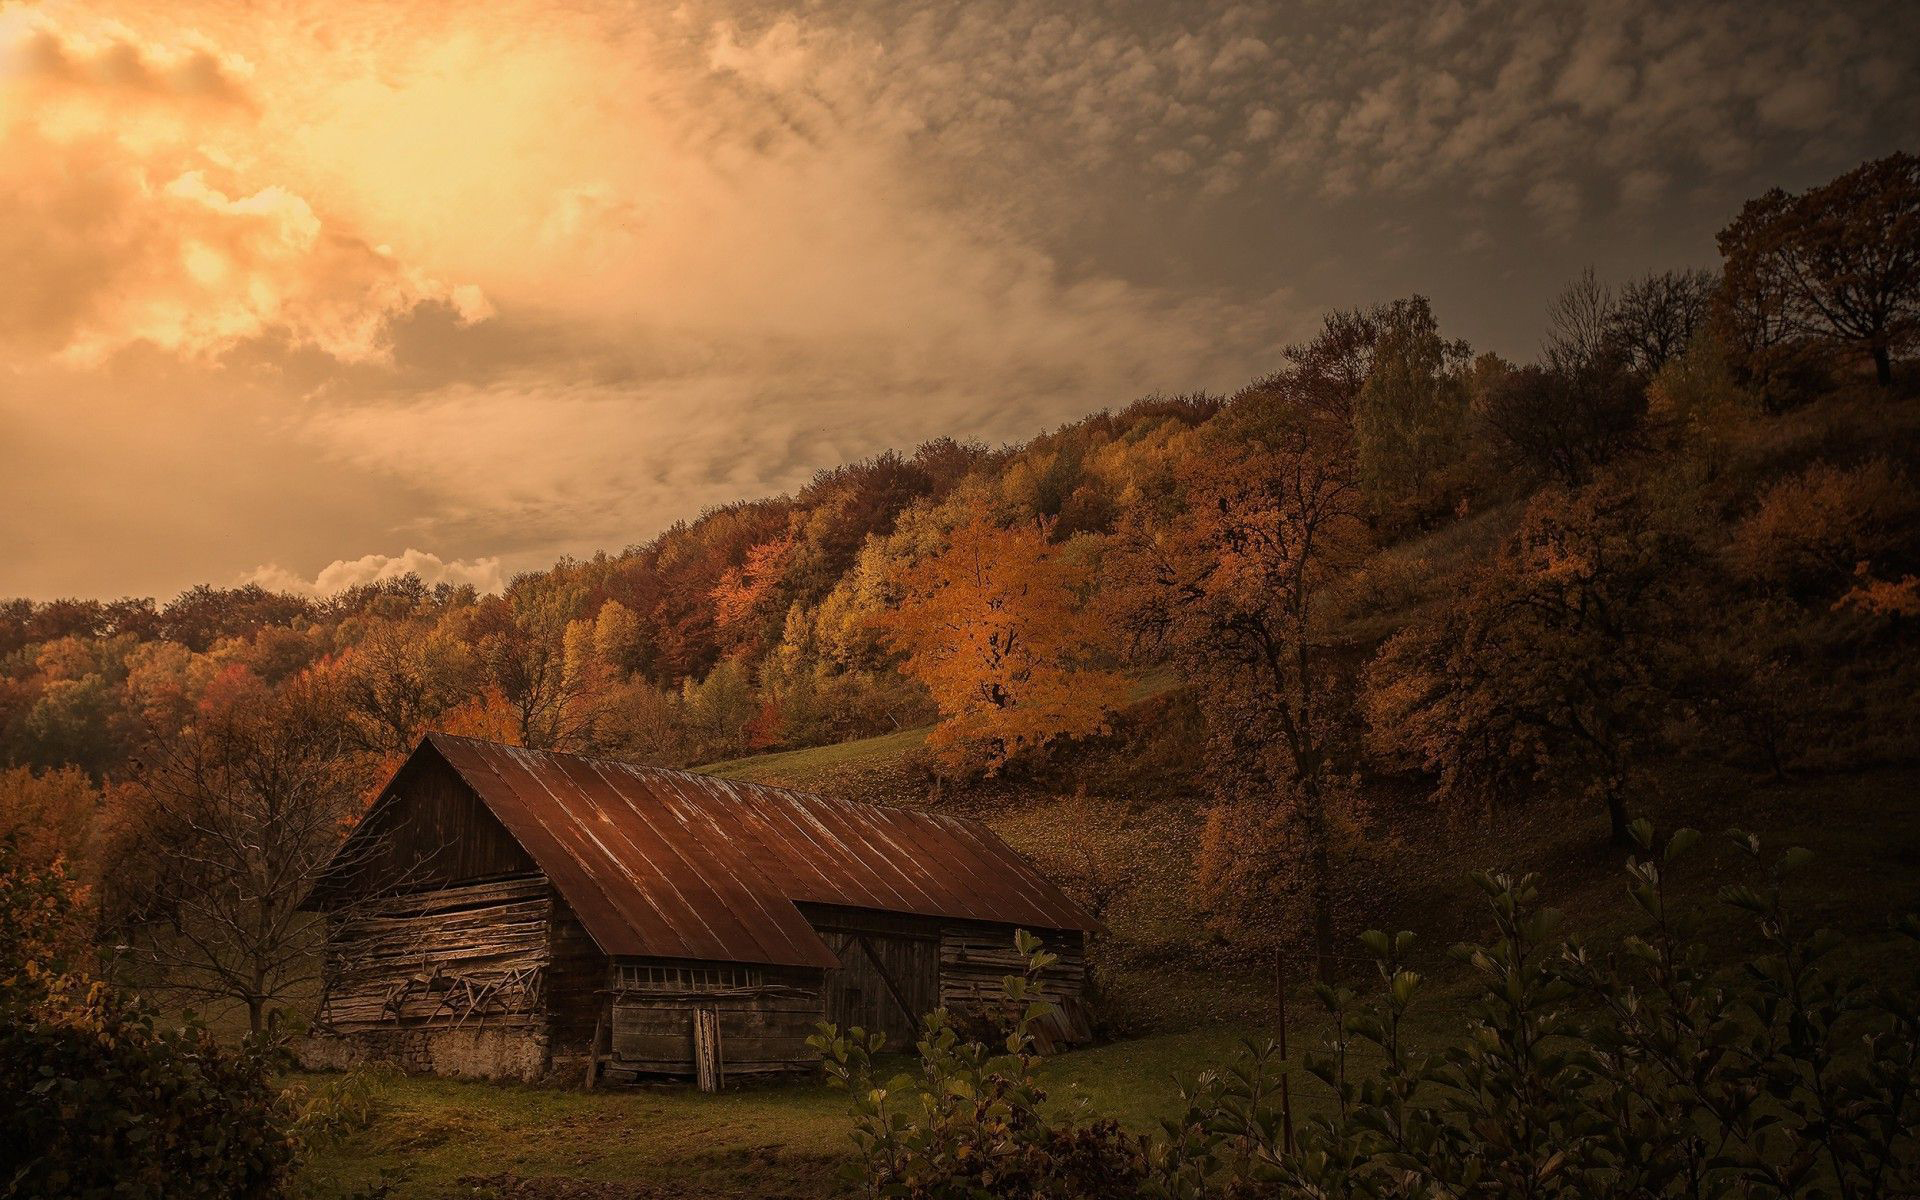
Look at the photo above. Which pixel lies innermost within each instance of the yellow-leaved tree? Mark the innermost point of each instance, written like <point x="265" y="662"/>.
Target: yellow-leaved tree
<point x="994" y="627"/>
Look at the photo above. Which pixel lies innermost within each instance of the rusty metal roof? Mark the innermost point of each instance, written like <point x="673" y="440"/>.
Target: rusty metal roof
<point x="671" y="864"/>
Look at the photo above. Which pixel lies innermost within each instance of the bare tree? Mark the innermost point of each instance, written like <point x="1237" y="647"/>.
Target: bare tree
<point x="1658" y="314"/>
<point x="1584" y="405"/>
<point x="231" y="823"/>
<point x="1579" y="326"/>
<point x="1564" y="426"/>
<point x="1854" y="256"/>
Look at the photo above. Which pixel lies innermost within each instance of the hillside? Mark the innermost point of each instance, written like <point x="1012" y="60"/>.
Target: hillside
<point x="1135" y="795"/>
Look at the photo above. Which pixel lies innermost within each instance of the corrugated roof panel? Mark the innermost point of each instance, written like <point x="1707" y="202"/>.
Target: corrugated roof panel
<point x="670" y="864"/>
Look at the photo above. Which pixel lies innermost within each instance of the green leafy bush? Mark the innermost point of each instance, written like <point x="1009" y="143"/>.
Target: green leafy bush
<point x="968" y="1124"/>
<point x="98" y="1102"/>
<point x="1640" y="1071"/>
<point x="326" y="1110"/>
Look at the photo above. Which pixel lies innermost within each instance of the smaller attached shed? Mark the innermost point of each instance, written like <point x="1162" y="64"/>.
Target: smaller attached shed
<point x="510" y="913"/>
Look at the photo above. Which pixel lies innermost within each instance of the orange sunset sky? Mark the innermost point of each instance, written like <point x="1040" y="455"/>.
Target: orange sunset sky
<point x="303" y="293"/>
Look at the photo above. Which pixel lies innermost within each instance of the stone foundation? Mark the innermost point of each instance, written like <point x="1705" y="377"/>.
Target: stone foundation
<point x="470" y="1053"/>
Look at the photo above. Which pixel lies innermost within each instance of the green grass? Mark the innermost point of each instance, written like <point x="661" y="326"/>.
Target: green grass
<point x="433" y="1133"/>
<point x="854" y="769"/>
<point x="773" y="1140"/>
<point x="817" y="764"/>
<point x="784" y="1140"/>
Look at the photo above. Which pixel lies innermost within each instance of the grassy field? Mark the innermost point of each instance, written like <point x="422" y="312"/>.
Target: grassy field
<point x="865" y="768"/>
<point x="818" y="768"/>
<point x="441" y="1138"/>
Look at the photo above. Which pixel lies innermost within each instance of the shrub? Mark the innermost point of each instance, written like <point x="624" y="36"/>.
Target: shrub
<point x="328" y="1110"/>
<point x="1813" y="530"/>
<point x="44" y="911"/>
<point x="969" y="1124"/>
<point x="96" y="1101"/>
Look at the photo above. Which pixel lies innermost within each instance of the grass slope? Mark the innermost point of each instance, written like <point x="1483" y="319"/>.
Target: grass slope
<point x="853" y="769"/>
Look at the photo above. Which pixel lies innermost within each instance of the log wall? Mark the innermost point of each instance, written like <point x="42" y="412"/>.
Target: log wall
<point x="763" y="1026"/>
<point x="452" y="981"/>
<point x="975" y="957"/>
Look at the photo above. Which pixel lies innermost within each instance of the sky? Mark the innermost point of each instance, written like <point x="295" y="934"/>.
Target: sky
<point x="315" y="293"/>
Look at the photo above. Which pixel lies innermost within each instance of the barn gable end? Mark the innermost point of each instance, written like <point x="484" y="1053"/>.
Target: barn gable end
<point x="439" y="943"/>
<point x="429" y="828"/>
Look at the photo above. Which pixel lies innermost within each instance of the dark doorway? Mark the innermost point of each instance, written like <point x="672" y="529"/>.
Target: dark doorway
<point x="886" y="982"/>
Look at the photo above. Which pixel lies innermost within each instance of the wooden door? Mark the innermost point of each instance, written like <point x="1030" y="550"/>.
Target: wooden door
<point x="885" y="983"/>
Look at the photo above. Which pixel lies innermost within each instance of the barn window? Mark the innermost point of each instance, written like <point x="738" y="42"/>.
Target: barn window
<point x="649" y="977"/>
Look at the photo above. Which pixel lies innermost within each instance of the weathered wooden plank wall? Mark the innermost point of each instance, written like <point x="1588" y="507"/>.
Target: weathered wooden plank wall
<point x="976" y="957"/>
<point x="436" y="832"/>
<point x="577" y="980"/>
<point x="471" y="954"/>
<point x="763" y="1028"/>
<point x="889" y="973"/>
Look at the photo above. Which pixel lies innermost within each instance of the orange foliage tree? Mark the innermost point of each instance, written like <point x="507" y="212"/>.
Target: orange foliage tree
<point x="532" y="645"/>
<point x="228" y="826"/>
<point x="50" y="813"/>
<point x="994" y="627"/>
<point x="44" y="912"/>
<point x="1811" y="531"/>
<point x="747" y="601"/>
<point x="400" y="680"/>
<point x="46" y="831"/>
<point x="1233" y="588"/>
<point x="1552" y="670"/>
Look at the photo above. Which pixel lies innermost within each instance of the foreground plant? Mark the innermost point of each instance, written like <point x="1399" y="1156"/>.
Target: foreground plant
<point x="99" y="1100"/>
<point x="968" y="1122"/>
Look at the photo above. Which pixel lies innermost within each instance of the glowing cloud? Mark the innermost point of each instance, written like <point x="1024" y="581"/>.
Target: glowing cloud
<point x="123" y="223"/>
<point x="483" y="574"/>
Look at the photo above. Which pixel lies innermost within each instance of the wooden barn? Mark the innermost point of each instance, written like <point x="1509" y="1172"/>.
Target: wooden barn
<point x="510" y="913"/>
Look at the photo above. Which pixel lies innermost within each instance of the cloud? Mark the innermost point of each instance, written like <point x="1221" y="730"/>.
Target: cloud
<point x="113" y="60"/>
<point x="122" y="223"/>
<point x="1641" y="188"/>
<point x="484" y="574"/>
<point x="1556" y="202"/>
<point x="535" y="277"/>
<point x="1339" y="100"/>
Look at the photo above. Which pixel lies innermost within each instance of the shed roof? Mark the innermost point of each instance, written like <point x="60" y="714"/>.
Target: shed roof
<point x="671" y="864"/>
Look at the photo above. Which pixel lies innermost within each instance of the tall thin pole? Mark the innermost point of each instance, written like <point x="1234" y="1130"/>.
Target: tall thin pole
<point x="1286" y="1095"/>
